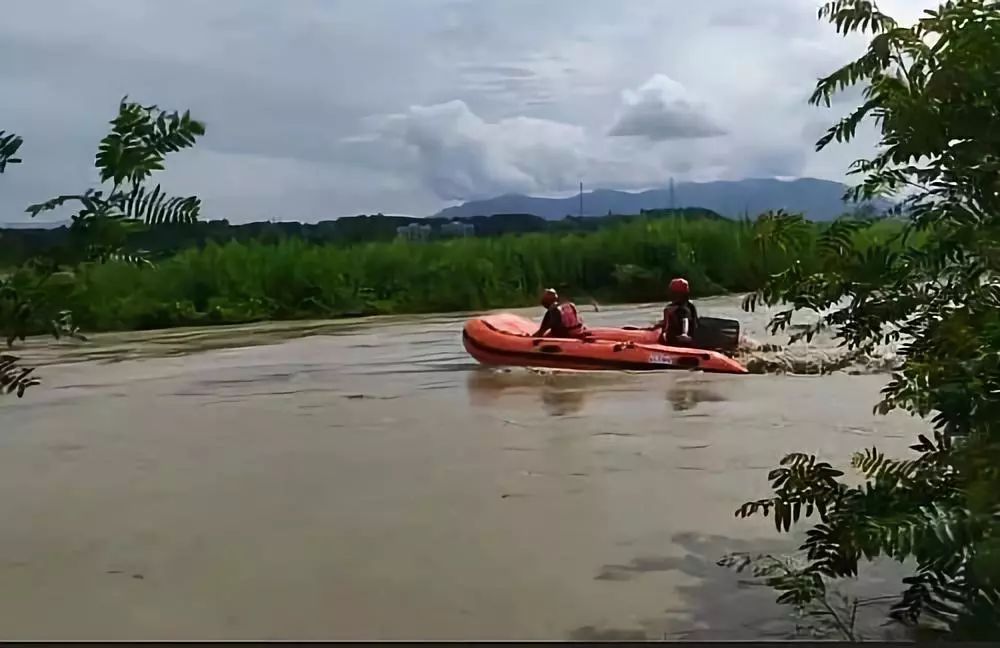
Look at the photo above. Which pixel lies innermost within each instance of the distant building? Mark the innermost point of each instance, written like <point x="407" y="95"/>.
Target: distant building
<point x="458" y="229"/>
<point x="414" y="232"/>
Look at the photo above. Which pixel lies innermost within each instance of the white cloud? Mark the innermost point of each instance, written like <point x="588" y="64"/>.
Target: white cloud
<point x="663" y="109"/>
<point x="462" y="156"/>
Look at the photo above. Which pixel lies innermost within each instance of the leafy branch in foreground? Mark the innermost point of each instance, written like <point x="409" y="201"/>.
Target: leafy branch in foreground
<point x="934" y="290"/>
<point x="9" y="145"/>
<point x="140" y="139"/>
<point x="14" y="378"/>
<point x="821" y="610"/>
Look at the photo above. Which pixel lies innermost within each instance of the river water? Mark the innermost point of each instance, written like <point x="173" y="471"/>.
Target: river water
<point x="366" y="479"/>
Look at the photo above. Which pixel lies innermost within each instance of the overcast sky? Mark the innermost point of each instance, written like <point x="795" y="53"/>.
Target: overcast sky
<point x="323" y="108"/>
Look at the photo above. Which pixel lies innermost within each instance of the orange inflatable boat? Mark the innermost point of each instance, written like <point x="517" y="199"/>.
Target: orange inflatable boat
<point x="505" y="340"/>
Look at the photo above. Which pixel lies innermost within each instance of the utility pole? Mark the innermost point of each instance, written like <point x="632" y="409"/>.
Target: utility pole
<point x="581" y="199"/>
<point x="673" y="197"/>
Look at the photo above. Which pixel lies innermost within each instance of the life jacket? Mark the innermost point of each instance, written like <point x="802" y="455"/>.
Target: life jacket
<point x="570" y="319"/>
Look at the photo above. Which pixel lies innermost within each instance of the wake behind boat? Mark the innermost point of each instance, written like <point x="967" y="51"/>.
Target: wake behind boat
<point x="506" y="339"/>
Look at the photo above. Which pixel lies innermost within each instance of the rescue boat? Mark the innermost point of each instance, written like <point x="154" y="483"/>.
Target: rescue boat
<point x="506" y="340"/>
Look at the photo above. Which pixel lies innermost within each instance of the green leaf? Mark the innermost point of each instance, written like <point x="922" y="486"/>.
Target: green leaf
<point x="934" y="290"/>
<point x="9" y="145"/>
<point x="14" y="378"/>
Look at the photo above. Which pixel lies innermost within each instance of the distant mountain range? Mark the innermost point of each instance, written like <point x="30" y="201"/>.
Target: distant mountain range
<point x="819" y="200"/>
<point x="35" y="224"/>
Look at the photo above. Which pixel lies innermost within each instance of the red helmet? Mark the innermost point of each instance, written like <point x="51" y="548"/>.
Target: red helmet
<point x="679" y="286"/>
<point x="549" y="297"/>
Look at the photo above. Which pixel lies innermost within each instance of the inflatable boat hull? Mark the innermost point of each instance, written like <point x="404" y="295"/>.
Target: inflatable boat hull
<point x="505" y="340"/>
<point x="641" y="336"/>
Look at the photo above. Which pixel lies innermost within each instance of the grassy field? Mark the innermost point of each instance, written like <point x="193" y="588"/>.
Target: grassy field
<point x="240" y="282"/>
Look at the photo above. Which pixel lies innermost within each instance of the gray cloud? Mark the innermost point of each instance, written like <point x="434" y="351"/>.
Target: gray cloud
<point x="321" y="108"/>
<point x="662" y="109"/>
<point x="502" y="71"/>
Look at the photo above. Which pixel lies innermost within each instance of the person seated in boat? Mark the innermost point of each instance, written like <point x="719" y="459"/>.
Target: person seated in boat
<point x="680" y="317"/>
<point x="560" y="320"/>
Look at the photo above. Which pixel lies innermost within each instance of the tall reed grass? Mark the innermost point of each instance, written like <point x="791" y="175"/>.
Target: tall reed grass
<point x="239" y="282"/>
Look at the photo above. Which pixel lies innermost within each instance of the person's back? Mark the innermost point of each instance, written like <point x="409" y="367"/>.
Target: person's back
<point x="680" y="317"/>
<point x="681" y="321"/>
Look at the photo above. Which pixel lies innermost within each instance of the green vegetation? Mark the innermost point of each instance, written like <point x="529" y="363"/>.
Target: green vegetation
<point x="13" y="378"/>
<point x="238" y="282"/>
<point x="20" y="245"/>
<point x="33" y="296"/>
<point x="932" y="90"/>
<point x="9" y="145"/>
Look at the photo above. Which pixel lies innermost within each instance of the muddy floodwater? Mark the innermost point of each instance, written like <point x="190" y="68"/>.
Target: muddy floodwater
<point x="366" y="479"/>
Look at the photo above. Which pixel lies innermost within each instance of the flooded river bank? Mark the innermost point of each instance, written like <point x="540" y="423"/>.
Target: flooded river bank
<point x="366" y="479"/>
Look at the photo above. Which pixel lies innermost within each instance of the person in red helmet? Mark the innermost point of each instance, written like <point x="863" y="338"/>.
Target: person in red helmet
<point x="680" y="317"/>
<point x="560" y="320"/>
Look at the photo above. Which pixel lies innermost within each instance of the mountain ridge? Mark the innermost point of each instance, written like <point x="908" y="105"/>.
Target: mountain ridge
<point x="819" y="200"/>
